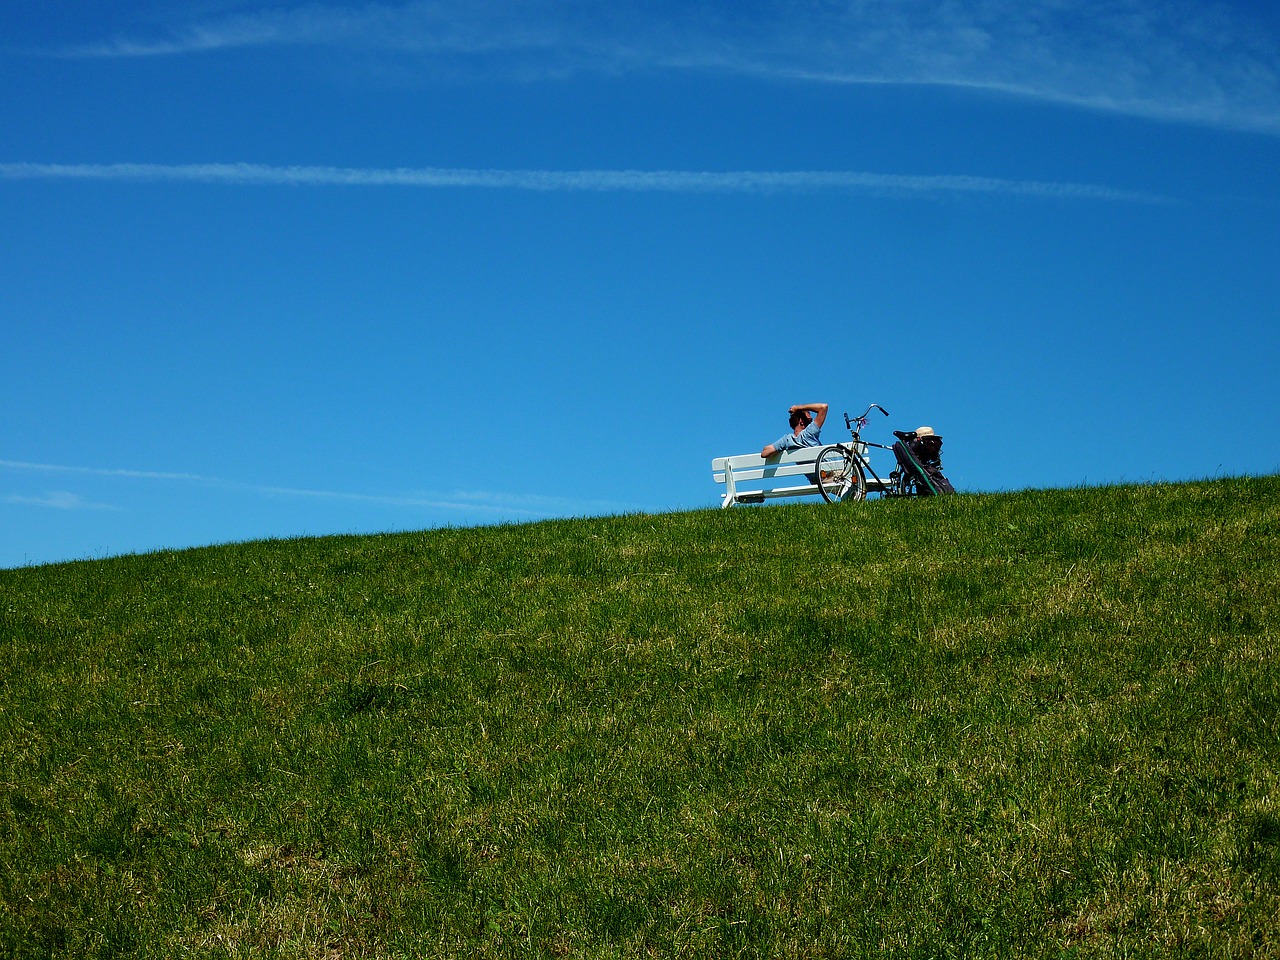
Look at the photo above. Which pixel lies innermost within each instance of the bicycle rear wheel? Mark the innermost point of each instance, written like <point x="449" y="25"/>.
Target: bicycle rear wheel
<point x="840" y="477"/>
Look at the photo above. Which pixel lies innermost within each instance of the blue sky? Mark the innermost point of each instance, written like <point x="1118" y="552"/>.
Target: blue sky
<point x="273" y="269"/>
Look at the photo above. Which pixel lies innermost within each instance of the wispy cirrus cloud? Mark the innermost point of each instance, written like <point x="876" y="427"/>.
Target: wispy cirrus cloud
<point x="599" y="181"/>
<point x="1203" y="62"/>
<point x="483" y="502"/>
<point x="57" y="500"/>
<point x="441" y="27"/>
<point x="96" y="471"/>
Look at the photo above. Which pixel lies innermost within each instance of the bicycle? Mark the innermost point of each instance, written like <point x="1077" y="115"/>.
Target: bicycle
<point x="842" y="468"/>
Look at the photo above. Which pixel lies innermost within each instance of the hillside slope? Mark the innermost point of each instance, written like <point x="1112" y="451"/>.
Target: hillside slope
<point x="1019" y="724"/>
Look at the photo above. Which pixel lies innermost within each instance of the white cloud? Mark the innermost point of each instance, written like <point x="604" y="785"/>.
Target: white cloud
<point x="58" y="500"/>
<point x="433" y="26"/>
<point x="1176" y="60"/>
<point x="96" y="471"/>
<point x="1203" y="61"/>
<point x="472" y="502"/>
<point x="661" y="181"/>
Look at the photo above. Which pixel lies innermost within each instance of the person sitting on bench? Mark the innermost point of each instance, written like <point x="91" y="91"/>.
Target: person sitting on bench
<point x="806" y="421"/>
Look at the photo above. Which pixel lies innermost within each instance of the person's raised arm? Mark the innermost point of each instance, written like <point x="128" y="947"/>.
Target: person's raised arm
<point x="819" y="411"/>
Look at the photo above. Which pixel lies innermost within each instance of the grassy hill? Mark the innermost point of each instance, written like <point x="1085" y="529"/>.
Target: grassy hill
<point x="1033" y="724"/>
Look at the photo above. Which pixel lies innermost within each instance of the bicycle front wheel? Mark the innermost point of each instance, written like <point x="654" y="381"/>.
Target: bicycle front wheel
<point x="839" y="476"/>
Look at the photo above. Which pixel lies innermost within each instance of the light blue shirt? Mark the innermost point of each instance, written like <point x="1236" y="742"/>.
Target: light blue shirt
<point x="809" y="437"/>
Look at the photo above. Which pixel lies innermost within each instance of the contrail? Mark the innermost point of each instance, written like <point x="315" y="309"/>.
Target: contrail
<point x="569" y="181"/>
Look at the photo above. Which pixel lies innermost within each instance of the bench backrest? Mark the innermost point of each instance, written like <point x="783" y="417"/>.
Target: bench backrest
<point x="751" y="466"/>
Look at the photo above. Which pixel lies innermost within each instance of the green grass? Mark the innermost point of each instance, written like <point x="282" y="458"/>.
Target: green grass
<point x="1034" y="724"/>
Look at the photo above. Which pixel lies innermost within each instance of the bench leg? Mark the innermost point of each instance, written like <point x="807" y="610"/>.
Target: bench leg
<point x="730" y="488"/>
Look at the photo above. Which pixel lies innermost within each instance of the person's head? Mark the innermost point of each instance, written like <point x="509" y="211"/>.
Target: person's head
<point x="800" y="418"/>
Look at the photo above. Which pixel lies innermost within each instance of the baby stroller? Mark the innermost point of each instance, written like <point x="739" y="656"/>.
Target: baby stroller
<point x="919" y="455"/>
<point x="844" y="473"/>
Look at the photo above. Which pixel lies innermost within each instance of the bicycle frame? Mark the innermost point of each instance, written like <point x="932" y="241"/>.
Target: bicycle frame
<point x="897" y="484"/>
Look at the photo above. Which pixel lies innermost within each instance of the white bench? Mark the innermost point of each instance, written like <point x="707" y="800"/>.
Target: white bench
<point x="767" y="479"/>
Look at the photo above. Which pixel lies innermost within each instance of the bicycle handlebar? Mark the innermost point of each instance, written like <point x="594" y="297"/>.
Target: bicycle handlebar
<point x="863" y="419"/>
